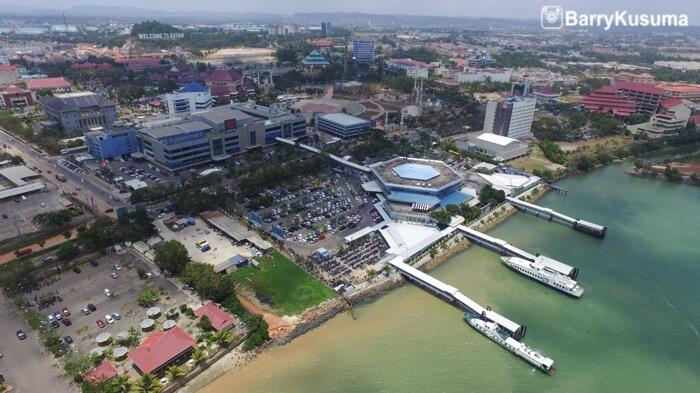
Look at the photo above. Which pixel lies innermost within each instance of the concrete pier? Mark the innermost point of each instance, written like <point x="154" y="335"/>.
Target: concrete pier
<point x="577" y="224"/>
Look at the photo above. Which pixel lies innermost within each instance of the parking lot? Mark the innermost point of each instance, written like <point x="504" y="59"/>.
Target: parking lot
<point x="19" y="212"/>
<point x="221" y="247"/>
<point x="318" y="211"/>
<point x="77" y="290"/>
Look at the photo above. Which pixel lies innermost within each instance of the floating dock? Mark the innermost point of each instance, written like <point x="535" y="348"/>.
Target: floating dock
<point x="578" y="225"/>
<point x="453" y="295"/>
<point x="504" y="248"/>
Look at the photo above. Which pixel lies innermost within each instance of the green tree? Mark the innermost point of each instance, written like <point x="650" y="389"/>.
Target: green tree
<point x="198" y="356"/>
<point x="121" y="383"/>
<point x="490" y="195"/>
<point x="148" y="383"/>
<point x="673" y="174"/>
<point x="53" y="219"/>
<point x="223" y="338"/>
<point x="174" y="372"/>
<point x="204" y="323"/>
<point x="76" y="365"/>
<point x="147" y="298"/>
<point x="67" y="250"/>
<point x="172" y="257"/>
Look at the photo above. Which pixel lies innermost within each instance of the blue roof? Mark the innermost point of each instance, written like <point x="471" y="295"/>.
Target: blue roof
<point x="193" y="88"/>
<point x="410" y="197"/>
<point x="416" y="171"/>
<point x="455" y="198"/>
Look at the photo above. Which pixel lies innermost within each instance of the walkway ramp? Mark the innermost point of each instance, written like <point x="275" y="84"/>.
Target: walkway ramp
<point x="552" y="215"/>
<point x="335" y="158"/>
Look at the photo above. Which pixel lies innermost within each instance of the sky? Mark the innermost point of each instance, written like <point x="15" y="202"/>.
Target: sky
<point x="475" y="8"/>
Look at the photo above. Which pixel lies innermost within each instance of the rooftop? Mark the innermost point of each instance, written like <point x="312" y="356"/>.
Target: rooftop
<point x="159" y="348"/>
<point x="193" y="88"/>
<point x="177" y="129"/>
<point x="75" y="101"/>
<point x="496" y="139"/>
<point x="415" y="172"/>
<point x="48" y="83"/>
<point x="344" y="119"/>
<point x="103" y="372"/>
<point x="220" y="319"/>
<point x="17" y="174"/>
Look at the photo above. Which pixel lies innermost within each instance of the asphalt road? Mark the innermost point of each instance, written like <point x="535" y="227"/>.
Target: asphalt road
<point x="25" y="364"/>
<point x="93" y="187"/>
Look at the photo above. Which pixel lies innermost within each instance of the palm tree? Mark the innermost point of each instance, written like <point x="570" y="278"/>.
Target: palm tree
<point x="199" y="355"/>
<point x="223" y="338"/>
<point x="121" y="383"/>
<point x="147" y="384"/>
<point x="174" y="372"/>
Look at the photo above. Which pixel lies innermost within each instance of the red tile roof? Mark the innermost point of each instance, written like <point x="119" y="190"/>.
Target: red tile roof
<point x="7" y="67"/>
<point x="14" y="89"/>
<point x="223" y="75"/>
<point x="220" y="319"/>
<point x="604" y="100"/>
<point x="103" y="372"/>
<point x="638" y="87"/>
<point x="48" y="83"/>
<point x="159" y="348"/>
<point x="670" y="102"/>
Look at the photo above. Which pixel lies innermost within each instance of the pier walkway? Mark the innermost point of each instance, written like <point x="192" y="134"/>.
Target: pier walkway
<point x="578" y="225"/>
<point x="335" y="158"/>
<point x="504" y="248"/>
<point x="453" y="295"/>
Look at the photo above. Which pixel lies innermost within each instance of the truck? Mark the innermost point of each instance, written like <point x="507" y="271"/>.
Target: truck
<point x="61" y="177"/>
<point x="23" y="252"/>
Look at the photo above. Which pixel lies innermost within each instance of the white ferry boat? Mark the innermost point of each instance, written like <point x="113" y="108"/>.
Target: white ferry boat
<point x="495" y="333"/>
<point x="545" y="275"/>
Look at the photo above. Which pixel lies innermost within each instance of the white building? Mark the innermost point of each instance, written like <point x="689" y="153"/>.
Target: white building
<point x="500" y="148"/>
<point x="482" y="74"/>
<point x="190" y="98"/>
<point x="511" y="117"/>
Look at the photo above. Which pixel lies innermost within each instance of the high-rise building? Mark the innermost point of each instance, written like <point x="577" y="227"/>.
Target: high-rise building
<point x="326" y="29"/>
<point x="511" y="117"/>
<point x="111" y="143"/>
<point x="189" y="98"/>
<point x="363" y="50"/>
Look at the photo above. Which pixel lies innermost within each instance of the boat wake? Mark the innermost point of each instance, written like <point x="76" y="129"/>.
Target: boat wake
<point x="674" y="308"/>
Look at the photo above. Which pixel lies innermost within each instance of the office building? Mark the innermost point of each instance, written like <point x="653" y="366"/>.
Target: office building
<point x="8" y="75"/>
<point x="14" y="97"/>
<point x="482" y="74"/>
<point x="480" y="61"/>
<point x="606" y="101"/>
<point x="511" y="117"/>
<point x="215" y="134"/>
<point x="363" y="50"/>
<point x="343" y="125"/>
<point x="111" y="143"/>
<point x="645" y="96"/>
<point x="635" y="78"/>
<point x="413" y="68"/>
<point x="680" y="90"/>
<point x="189" y="98"/>
<point x="326" y="29"/>
<point x="76" y="112"/>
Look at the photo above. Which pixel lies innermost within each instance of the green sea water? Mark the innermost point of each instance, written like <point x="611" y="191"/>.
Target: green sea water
<point x="634" y="330"/>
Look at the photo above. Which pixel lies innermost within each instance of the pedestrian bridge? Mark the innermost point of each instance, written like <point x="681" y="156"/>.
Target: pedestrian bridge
<point x="335" y="158"/>
<point x="453" y="295"/>
<point x="552" y="215"/>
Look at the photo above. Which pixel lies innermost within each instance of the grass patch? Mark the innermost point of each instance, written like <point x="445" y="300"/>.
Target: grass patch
<point x="282" y="284"/>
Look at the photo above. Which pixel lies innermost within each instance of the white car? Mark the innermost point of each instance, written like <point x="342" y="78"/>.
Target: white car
<point x="117" y="267"/>
<point x="108" y="292"/>
<point x="109" y="318"/>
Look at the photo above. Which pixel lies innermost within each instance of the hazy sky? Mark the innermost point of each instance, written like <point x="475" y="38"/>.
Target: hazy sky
<point x="478" y="8"/>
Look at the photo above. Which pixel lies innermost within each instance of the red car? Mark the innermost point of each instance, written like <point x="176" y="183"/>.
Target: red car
<point x="66" y="321"/>
<point x="100" y="323"/>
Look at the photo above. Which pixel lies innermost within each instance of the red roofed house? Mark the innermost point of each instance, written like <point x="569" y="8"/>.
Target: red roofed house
<point x="14" y="97"/>
<point x="220" y="319"/>
<point x="606" y="101"/>
<point x="103" y="372"/>
<point x="56" y="85"/>
<point x="139" y="63"/>
<point x="546" y="94"/>
<point x="87" y="66"/>
<point x="8" y="75"/>
<point x="223" y="83"/>
<point x="647" y="97"/>
<point x="160" y="349"/>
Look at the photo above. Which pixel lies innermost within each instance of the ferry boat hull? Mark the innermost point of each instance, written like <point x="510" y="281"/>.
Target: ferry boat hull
<point x="577" y="292"/>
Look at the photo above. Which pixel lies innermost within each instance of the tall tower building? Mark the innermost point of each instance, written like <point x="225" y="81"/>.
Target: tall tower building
<point x="511" y="117"/>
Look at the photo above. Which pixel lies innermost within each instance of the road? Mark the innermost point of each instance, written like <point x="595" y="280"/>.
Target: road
<point x="91" y="187"/>
<point x="25" y="364"/>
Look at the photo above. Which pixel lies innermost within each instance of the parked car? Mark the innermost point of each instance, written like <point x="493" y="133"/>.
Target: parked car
<point x="85" y="311"/>
<point x="65" y="311"/>
<point x="68" y="339"/>
<point x="149" y="275"/>
<point x="58" y="316"/>
<point x="55" y="324"/>
<point x="66" y="321"/>
<point x="109" y="319"/>
<point x="77" y="269"/>
<point x="92" y="307"/>
<point x="94" y="263"/>
<point x="21" y="335"/>
<point x="116" y="316"/>
<point x="108" y="292"/>
<point x="100" y="323"/>
<point x="117" y="267"/>
<point x="114" y="275"/>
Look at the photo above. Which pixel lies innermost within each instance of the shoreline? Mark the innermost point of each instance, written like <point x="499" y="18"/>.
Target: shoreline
<point x="319" y="314"/>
